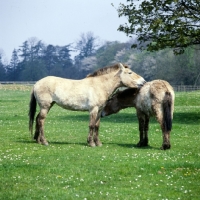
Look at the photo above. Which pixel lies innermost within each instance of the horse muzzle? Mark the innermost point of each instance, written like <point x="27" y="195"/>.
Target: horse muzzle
<point x="141" y="84"/>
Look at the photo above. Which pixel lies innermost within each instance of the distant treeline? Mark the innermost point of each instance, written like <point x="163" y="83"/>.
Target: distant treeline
<point x="34" y="60"/>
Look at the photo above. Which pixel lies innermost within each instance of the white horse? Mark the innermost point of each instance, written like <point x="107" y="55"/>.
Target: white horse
<point x="89" y="94"/>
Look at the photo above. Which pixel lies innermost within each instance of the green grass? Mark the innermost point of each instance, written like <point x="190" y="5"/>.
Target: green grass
<point x="69" y="169"/>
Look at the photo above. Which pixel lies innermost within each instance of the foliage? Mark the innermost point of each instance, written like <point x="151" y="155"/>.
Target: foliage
<point x="179" y="69"/>
<point x="68" y="169"/>
<point x="36" y="60"/>
<point x="2" y="70"/>
<point x="159" y="24"/>
<point x="106" y="54"/>
<point x="86" y="45"/>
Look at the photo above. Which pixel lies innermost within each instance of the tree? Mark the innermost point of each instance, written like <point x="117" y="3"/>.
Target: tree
<point x="25" y="51"/>
<point x="36" y="47"/>
<point x="33" y="71"/>
<point x="65" y="56"/>
<point x="162" y="23"/>
<point x="2" y="69"/>
<point x="89" y="63"/>
<point x="86" y="45"/>
<point x="107" y="54"/>
<point x="13" y="68"/>
<point x="50" y="58"/>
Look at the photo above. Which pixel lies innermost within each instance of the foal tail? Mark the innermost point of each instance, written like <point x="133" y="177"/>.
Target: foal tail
<point x="167" y="108"/>
<point x="32" y="111"/>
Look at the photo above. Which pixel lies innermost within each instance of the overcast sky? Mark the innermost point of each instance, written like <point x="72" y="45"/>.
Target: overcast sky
<point x="57" y="22"/>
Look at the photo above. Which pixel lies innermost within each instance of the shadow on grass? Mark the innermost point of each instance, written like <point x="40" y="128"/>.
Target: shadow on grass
<point x="26" y="141"/>
<point x="115" y="118"/>
<point x="186" y="118"/>
<point x="136" y="147"/>
<point x="78" y="117"/>
<point x="52" y="142"/>
<point x="85" y="144"/>
<point x="182" y="118"/>
<point x="68" y="143"/>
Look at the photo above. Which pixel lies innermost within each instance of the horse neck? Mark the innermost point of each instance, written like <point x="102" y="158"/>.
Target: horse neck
<point x="111" y="84"/>
<point x="134" y="101"/>
<point x="128" y="101"/>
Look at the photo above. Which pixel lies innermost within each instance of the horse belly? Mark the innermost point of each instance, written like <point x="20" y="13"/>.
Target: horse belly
<point x="74" y="107"/>
<point x="79" y="105"/>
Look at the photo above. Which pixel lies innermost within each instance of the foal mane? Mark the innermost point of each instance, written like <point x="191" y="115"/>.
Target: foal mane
<point x="106" y="70"/>
<point x="128" y="92"/>
<point x="121" y="94"/>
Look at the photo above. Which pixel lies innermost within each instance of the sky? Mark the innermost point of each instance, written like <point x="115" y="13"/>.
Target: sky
<point x="57" y="22"/>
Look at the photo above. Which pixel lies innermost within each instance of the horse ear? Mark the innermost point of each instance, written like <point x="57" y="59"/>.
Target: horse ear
<point x="121" y="69"/>
<point x="121" y="66"/>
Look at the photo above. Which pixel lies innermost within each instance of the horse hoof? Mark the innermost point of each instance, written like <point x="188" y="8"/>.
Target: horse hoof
<point x="139" y="144"/>
<point x="165" y="146"/>
<point x="99" y="144"/>
<point x="38" y="141"/>
<point x="142" y="144"/>
<point x="44" y="142"/>
<point x="92" y="144"/>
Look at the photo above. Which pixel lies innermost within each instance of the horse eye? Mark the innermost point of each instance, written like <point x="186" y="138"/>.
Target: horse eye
<point x="130" y="73"/>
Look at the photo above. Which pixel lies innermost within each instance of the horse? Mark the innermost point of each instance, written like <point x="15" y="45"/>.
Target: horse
<point x="88" y="94"/>
<point x="155" y="98"/>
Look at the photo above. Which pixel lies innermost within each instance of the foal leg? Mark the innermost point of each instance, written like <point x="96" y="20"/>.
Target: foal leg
<point x="141" y="121"/>
<point x="166" y="139"/>
<point x="165" y="134"/>
<point x="39" y="131"/>
<point x="96" y="133"/>
<point x="143" y="128"/>
<point x="146" y="129"/>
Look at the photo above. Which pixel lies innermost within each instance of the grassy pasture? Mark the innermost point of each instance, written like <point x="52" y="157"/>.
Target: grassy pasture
<point x="68" y="169"/>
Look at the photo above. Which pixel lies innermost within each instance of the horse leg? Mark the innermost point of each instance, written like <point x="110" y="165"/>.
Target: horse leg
<point x="141" y="121"/>
<point x="166" y="139"/>
<point x="39" y="131"/>
<point x="143" y="129"/>
<point x="165" y="133"/>
<point x="96" y="133"/>
<point x="146" y="129"/>
<point x="90" y="139"/>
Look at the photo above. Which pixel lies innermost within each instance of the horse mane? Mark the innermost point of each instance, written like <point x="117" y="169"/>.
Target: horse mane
<point x="106" y="70"/>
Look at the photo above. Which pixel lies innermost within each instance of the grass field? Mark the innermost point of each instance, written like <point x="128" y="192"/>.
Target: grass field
<point x="69" y="169"/>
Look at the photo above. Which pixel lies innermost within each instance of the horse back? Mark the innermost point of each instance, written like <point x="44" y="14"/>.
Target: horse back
<point x="68" y="93"/>
<point x="151" y="97"/>
<point x="161" y="90"/>
<point x="163" y="103"/>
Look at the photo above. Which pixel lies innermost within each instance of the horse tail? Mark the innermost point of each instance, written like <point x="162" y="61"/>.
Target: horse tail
<point x="32" y="111"/>
<point x="167" y="108"/>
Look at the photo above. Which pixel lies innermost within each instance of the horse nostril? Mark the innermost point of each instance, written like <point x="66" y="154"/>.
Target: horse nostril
<point x="143" y="83"/>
